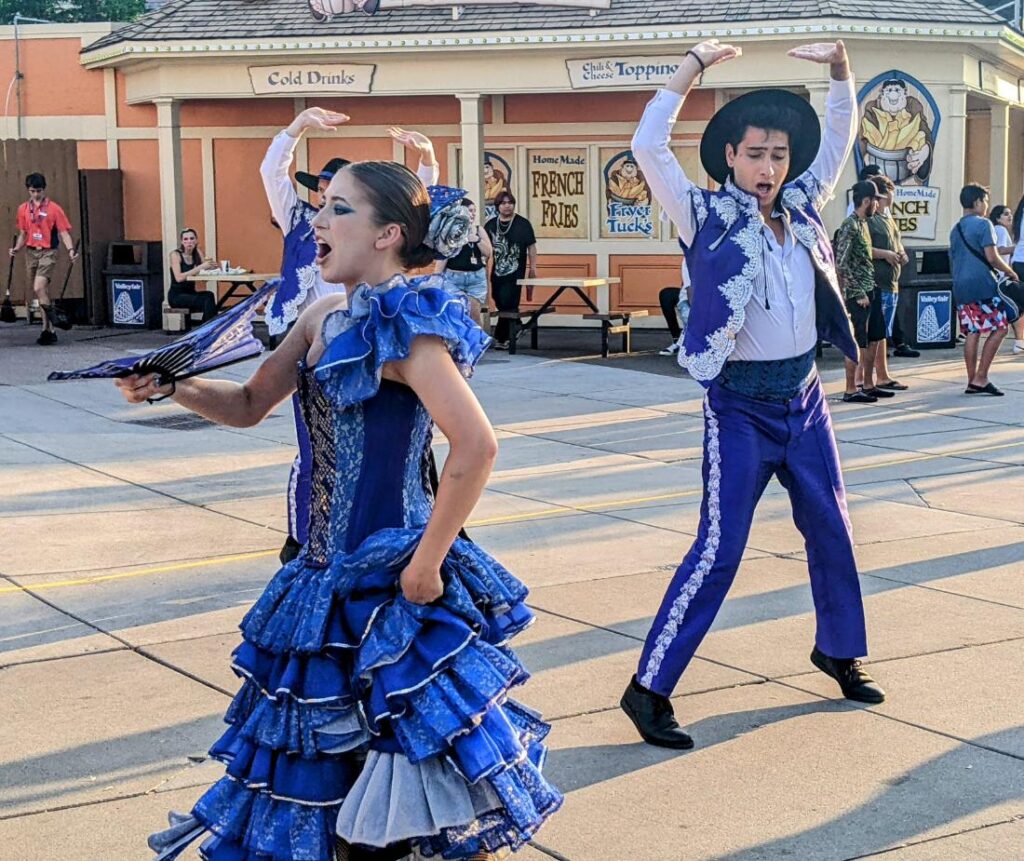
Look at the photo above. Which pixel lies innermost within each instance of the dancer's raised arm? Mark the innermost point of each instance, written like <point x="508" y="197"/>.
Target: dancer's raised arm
<point x="669" y="183"/>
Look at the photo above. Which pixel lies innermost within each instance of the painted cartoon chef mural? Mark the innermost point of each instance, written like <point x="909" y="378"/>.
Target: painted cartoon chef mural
<point x="899" y="125"/>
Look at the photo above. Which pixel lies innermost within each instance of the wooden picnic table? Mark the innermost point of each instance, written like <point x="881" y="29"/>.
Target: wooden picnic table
<point x="248" y="280"/>
<point x="611" y="324"/>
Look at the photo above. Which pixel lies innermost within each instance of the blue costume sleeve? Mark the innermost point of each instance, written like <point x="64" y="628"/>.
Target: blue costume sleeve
<point x="381" y="327"/>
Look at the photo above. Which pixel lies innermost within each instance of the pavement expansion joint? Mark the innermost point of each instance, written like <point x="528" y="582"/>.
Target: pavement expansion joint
<point x="938" y="838"/>
<point x="931" y="588"/>
<point x="871" y="710"/>
<point x="54" y="658"/>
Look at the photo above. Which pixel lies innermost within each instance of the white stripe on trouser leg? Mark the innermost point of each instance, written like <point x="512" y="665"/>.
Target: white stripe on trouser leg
<point x="707" y="556"/>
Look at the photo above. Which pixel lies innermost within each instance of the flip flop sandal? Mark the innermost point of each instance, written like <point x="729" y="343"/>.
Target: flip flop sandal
<point x="987" y="389"/>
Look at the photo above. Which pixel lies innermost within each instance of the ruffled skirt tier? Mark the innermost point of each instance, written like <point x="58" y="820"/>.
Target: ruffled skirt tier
<point x="367" y="717"/>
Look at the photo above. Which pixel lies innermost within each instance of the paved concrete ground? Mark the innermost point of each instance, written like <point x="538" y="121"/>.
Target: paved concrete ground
<point x="133" y="539"/>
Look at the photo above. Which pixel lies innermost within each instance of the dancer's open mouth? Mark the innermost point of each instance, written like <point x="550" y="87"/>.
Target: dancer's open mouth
<point x="765" y="188"/>
<point x="323" y="251"/>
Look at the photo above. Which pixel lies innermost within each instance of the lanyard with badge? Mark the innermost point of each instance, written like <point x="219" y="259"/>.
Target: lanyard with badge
<point x="37" y="215"/>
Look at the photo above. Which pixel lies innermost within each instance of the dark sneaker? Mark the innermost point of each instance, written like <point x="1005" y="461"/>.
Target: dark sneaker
<point x="654" y="718"/>
<point x="877" y="392"/>
<point x="854" y="680"/>
<point x="905" y="352"/>
<point x="46" y="338"/>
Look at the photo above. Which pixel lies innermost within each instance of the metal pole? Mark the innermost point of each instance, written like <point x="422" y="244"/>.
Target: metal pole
<point x="17" y="70"/>
<point x="18" y="76"/>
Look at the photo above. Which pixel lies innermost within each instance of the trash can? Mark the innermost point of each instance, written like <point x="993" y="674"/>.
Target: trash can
<point x="926" y="309"/>
<point x="135" y="284"/>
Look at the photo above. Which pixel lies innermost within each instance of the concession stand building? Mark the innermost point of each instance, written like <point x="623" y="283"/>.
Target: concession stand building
<point x="541" y="99"/>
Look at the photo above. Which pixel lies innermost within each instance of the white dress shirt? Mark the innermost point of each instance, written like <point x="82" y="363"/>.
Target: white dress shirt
<point x="780" y="316"/>
<point x="283" y="198"/>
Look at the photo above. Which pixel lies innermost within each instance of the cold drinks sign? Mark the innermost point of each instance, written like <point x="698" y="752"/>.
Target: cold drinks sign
<point x="335" y="78"/>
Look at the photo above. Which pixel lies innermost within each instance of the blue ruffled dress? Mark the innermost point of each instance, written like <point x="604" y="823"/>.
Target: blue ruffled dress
<point x="362" y="715"/>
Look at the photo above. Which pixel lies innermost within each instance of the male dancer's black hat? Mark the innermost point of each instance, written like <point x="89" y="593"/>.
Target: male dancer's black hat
<point x="312" y="180"/>
<point x="804" y="139"/>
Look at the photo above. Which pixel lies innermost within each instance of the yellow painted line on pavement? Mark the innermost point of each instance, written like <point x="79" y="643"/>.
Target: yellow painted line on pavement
<point x="142" y="572"/>
<point x="551" y="511"/>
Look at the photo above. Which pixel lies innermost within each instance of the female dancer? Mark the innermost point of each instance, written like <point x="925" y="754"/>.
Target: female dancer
<point x="373" y="718"/>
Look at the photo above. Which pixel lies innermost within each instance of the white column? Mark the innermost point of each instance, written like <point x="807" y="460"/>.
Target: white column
<point x="999" y="153"/>
<point x="472" y="178"/>
<point x="952" y="148"/>
<point x="168" y="122"/>
<point x="209" y="199"/>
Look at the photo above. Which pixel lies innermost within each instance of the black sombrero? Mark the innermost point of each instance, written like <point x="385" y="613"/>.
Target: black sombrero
<point x="803" y="143"/>
<point x="312" y="180"/>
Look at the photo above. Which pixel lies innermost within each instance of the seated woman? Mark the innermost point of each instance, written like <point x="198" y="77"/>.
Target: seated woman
<point x="374" y="717"/>
<point x="465" y="274"/>
<point x="186" y="261"/>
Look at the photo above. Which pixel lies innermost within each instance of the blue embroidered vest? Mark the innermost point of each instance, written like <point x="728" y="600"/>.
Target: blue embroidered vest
<point x="299" y="273"/>
<point x="724" y="262"/>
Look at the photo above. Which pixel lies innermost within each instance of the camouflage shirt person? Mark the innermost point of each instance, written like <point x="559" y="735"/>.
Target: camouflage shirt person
<point x="853" y="258"/>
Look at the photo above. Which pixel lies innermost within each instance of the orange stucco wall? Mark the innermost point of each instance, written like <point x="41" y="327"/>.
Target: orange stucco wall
<point x="139" y="160"/>
<point x="596" y="107"/>
<point x="92" y="154"/>
<point x="409" y="112"/>
<point x="55" y="84"/>
<point x="192" y="175"/>
<point x="237" y="112"/>
<point x="245" y="235"/>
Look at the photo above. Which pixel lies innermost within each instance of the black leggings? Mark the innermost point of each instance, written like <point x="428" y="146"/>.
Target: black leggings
<point x="193" y="300"/>
<point x="507" y="295"/>
<point x="668" y="298"/>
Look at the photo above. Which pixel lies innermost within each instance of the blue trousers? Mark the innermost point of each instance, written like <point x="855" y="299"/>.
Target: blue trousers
<point x="299" y="481"/>
<point x="746" y="442"/>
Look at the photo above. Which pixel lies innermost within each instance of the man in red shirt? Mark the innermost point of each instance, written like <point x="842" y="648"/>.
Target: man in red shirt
<point x="40" y="223"/>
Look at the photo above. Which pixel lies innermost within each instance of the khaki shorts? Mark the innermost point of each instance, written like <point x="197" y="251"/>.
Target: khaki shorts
<point x="40" y="263"/>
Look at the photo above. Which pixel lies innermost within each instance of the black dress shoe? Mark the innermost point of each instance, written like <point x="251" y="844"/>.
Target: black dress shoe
<point x="905" y="352"/>
<point x="654" y="718"/>
<point x="289" y="551"/>
<point x="853" y="679"/>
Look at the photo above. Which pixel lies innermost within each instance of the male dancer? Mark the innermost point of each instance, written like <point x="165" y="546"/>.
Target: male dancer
<point x="765" y="291"/>
<point x="301" y="284"/>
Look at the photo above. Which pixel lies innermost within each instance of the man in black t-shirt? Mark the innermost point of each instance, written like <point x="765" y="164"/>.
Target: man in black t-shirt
<point x="515" y="257"/>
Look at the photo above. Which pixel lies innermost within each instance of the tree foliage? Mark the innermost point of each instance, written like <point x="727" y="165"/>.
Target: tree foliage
<point x="72" y="11"/>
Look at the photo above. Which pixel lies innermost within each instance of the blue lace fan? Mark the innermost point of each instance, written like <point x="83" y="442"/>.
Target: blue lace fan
<point x="224" y="340"/>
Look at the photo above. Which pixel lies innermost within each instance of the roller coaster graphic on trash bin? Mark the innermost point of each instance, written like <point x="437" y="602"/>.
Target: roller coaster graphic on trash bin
<point x="934" y="316"/>
<point x="129" y="304"/>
